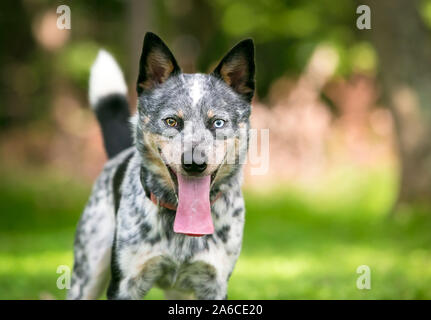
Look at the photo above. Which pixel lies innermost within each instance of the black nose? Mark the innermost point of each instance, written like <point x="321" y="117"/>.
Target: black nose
<point x="191" y="165"/>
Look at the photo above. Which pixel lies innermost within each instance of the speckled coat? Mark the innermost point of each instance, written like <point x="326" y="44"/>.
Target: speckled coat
<point x="127" y="240"/>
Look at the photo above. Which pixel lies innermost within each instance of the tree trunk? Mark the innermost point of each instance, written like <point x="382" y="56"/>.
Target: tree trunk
<point x="404" y="49"/>
<point x="141" y="20"/>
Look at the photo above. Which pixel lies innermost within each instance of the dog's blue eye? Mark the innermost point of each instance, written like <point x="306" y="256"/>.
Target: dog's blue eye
<point x="219" y="123"/>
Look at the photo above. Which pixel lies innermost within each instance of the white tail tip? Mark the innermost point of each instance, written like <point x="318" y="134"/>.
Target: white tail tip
<point x="105" y="78"/>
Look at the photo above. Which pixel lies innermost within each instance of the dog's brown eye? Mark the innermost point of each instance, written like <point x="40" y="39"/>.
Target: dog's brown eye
<point x="171" y="122"/>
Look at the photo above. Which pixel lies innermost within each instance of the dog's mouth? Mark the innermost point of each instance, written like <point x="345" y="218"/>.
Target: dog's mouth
<point x="175" y="179"/>
<point x="173" y="174"/>
<point x="193" y="213"/>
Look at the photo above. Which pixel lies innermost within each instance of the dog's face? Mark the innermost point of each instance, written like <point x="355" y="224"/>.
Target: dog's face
<point x="194" y="118"/>
<point x="193" y="126"/>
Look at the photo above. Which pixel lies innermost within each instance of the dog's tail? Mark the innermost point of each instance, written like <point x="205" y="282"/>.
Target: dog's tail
<point x="108" y="99"/>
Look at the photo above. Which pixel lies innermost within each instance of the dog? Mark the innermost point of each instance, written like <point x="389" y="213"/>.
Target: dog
<point x="167" y="209"/>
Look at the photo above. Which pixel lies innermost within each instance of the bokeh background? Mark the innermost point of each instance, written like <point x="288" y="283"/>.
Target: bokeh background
<point x="349" y="181"/>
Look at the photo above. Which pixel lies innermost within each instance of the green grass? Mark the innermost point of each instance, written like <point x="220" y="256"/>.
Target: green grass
<point x="298" y="244"/>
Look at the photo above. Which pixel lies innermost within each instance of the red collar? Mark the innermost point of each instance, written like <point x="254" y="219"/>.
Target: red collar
<point x="171" y="206"/>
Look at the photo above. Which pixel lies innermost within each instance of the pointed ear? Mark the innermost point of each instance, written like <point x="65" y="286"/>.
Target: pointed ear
<point x="237" y="69"/>
<point x="156" y="65"/>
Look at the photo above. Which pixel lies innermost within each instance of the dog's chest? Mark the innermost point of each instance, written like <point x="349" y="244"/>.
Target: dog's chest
<point x="179" y="262"/>
<point x="147" y="248"/>
<point x="150" y="248"/>
<point x="183" y="262"/>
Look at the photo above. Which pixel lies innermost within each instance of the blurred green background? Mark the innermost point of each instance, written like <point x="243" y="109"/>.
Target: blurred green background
<point x="349" y="179"/>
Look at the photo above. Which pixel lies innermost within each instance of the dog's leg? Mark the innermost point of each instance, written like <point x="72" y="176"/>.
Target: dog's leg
<point x="172" y="294"/>
<point x="130" y="288"/>
<point x="93" y="242"/>
<point x="204" y="280"/>
<point x="125" y="285"/>
<point x="214" y="290"/>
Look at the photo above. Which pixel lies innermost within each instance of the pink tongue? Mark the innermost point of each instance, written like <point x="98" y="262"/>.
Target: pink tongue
<point x="193" y="215"/>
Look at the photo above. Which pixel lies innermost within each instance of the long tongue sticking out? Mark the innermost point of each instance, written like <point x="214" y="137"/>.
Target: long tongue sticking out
<point x="193" y="215"/>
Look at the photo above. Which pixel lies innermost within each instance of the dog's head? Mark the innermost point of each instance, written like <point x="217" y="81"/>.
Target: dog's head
<point x="192" y="129"/>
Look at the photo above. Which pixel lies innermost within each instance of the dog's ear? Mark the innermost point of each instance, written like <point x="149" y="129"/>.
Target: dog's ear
<point x="237" y="69"/>
<point x="156" y="65"/>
